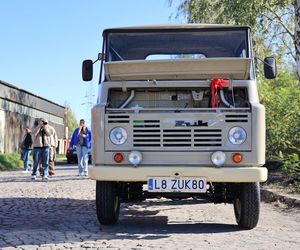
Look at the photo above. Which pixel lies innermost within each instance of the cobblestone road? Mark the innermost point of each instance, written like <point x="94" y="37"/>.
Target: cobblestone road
<point x="60" y="214"/>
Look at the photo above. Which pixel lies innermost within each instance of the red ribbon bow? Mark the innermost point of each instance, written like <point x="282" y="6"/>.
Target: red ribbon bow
<point x="215" y="85"/>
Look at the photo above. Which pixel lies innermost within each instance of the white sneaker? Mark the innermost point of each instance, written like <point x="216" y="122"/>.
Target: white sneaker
<point x="33" y="177"/>
<point x="45" y="178"/>
<point x="25" y="171"/>
<point x="86" y="174"/>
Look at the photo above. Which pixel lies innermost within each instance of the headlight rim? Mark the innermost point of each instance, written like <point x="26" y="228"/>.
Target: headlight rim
<point x="124" y="135"/>
<point x="230" y="135"/>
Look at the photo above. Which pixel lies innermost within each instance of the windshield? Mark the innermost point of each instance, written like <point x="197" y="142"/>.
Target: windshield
<point x="170" y="44"/>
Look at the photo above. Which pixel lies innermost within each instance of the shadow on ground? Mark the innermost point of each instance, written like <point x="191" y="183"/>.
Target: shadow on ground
<point x="71" y="220"/>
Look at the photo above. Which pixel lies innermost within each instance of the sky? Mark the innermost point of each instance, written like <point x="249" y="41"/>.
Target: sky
<point x="43" y="43"/>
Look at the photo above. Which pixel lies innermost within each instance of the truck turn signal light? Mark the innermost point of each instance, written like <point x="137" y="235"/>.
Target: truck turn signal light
<point x="237" y="157"/>
<point x="118" y="157"/>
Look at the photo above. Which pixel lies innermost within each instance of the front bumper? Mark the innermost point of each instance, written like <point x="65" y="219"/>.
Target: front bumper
<point x="212" y="174"/>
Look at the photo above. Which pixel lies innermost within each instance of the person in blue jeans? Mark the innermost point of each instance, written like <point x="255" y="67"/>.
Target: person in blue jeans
<point x="81" y="138"/>
<point x="26" y="147"/>
<point x="41" y="145"/>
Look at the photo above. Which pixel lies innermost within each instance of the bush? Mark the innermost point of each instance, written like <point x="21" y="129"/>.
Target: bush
<point x="10" y="162"/>
<point x="281" y="98"/>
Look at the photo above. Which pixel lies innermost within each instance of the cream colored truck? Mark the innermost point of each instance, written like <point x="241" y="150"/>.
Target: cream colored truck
<point x="178" y="116"/>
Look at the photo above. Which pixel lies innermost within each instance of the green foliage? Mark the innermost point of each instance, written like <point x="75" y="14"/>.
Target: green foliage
<point x="295" y="187"/>
<point x="281" y="98"/>
<point x="291" y="166"/>
<point x="291" y="162"/>
<point x="10" y="162"/>
<point x="71" y="121"/>
<point x="60" y="156"/>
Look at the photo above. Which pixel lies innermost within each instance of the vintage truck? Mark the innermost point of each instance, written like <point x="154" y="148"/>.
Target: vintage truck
<point x="178" y="116"/>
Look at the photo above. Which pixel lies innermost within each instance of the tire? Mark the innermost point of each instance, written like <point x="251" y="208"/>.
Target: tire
<point x="246" y="205"/>
<point x="107" y="202"/>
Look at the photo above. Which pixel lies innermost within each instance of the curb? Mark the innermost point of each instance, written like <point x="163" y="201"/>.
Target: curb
<point x="269" y="196"/>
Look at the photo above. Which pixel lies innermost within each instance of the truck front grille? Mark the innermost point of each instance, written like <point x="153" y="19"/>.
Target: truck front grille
<point x="148" y="133"/>
<point x="192" y="130"/>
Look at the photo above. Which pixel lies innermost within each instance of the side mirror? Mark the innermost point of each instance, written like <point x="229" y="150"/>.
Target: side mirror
<point x="270" y="67"/>
<point x="87" y="70"/>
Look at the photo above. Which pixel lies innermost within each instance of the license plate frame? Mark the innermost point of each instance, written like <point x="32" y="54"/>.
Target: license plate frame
<point x="160" y="184"/>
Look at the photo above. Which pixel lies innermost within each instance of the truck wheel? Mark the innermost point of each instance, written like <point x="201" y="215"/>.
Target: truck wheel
<point x="246" y="205"/>
<point x="107" y="202"/>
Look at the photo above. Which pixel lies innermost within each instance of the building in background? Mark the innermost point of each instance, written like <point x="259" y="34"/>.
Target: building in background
<point x="20" y="108"/>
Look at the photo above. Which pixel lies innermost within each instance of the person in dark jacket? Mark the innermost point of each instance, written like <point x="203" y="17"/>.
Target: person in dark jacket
<point x="26" y="147"/>
<point x="81" y="138"/>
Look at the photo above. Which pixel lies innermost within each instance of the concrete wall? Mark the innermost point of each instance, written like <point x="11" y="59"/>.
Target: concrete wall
<point x="19" y="108"/>
<point x="2" y="126"/>
<point x="16" y="95"/>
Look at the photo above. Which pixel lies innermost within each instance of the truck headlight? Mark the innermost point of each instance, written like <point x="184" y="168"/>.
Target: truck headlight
<point x="118" y="136"/>
<point x="237" y="135"/>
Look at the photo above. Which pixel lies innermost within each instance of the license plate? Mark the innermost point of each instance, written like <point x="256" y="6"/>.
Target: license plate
<point x="171" y="184"/>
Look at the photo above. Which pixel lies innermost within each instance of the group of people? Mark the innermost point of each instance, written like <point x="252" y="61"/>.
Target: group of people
<point x="42" y="139"/>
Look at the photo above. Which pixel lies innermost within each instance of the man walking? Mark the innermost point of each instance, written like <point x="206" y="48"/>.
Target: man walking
<point x="41" y="145"/>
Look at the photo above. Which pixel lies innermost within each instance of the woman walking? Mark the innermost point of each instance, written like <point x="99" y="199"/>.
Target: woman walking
<point x="81" y="138"/>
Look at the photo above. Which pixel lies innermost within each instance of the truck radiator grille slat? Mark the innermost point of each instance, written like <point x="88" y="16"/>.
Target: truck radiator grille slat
<point x="208" y="130"/>
<point x="148" y="140"/>
<point x="147" y="135"/>
<point x="207" y="135"/>
<point x="118" y="119"/>
<point x="208" y="140"/>
<point x="146" y="145"/>
<point x="146" y="131"/>
<point x="146" y="126"/>
<point x="236" y="118"/>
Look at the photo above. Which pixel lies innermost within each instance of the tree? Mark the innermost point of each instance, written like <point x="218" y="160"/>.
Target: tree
<point x="71" y="121"/>
<point x="282" y="101"/>
<point x="275" y="23"/>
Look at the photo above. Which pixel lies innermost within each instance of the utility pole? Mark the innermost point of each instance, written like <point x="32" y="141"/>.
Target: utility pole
<point x="89" y="102"/>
